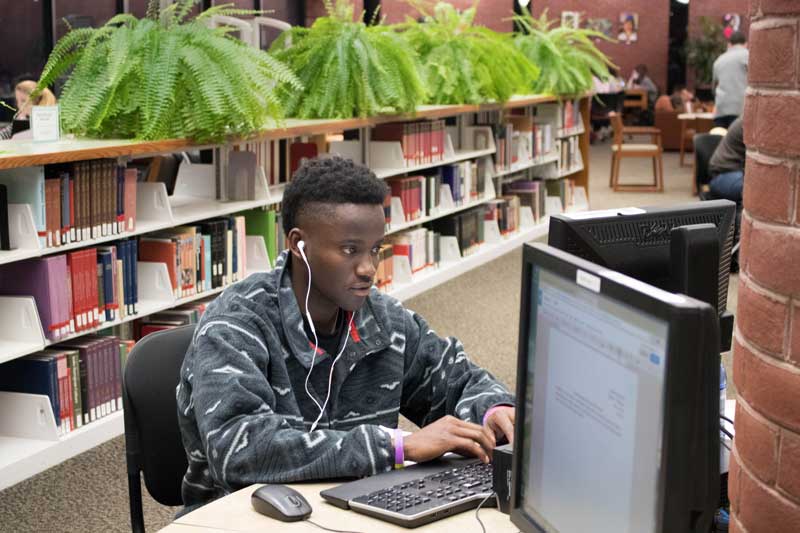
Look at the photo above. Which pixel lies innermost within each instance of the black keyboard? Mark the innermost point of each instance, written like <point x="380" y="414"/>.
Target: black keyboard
<point x="429" y="498"/>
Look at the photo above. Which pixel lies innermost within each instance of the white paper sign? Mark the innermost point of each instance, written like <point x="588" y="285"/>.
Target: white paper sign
<point x="45" y="123"/>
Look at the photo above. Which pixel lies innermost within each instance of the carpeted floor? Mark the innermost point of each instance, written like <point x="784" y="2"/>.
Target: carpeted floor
<point x="89" y="493"/>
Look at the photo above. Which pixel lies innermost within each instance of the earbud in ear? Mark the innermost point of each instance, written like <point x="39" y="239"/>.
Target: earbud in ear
<point x="301" y="244"/>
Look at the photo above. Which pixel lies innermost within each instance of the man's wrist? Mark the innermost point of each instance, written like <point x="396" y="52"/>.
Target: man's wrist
<point x="494" y="408"/>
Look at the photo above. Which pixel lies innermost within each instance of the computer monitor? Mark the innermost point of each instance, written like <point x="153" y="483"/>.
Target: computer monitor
<point x="617" y="424"/>
<point x="645" y="243"/>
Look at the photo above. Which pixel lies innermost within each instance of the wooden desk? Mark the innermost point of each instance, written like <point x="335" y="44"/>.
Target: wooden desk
<point x="234" y="513"/>
<point x="692" y="117"/>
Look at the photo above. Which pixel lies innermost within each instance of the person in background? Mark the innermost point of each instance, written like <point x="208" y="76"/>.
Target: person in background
<point x="22" y="93"/>
<point x="640" y="80"/>
<point x="678" y="101"/>
<point x="730" y="80"/>
<point x="727" y="165"/>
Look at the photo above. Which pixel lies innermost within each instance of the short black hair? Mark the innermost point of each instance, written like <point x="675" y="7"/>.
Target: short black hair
<point x="737" y="37"/>
<point x="330" y="180"/>
<point x="641" y="68"/>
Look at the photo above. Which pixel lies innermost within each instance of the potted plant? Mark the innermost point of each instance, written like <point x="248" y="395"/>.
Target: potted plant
<point x="164" y="76"/>
<point x="348" y="68"/>
<point x="703" y="50"/>
<point x="463" y="63"/>
<point x="567" y="57"/>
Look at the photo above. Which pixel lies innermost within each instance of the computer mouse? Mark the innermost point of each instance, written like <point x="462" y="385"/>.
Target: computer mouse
<point x="281" y="503"/>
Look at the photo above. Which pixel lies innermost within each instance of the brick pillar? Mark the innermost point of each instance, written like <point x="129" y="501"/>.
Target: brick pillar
<point x="764" y="482"/>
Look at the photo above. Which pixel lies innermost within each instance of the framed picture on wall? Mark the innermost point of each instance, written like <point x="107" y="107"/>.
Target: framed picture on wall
<point x="730" y="23"/>
<point x="604" y="26"/>
<point x="628" y="27"/>
<point x="570" y="19"/>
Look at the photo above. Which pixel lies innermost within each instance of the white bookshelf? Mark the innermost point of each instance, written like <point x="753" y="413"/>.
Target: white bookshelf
<point x="541" y="160"/>
<point x="29" y="443"/>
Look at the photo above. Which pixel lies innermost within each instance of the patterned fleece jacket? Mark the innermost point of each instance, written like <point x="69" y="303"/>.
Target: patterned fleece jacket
<point x="242" y="406"/>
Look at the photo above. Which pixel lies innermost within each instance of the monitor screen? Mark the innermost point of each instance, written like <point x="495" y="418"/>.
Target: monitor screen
<point x="594" y="395"/>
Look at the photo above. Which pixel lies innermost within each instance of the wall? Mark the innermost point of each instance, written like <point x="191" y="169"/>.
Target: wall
<point x="653" y="44"/>
<point x="764" y="480"/>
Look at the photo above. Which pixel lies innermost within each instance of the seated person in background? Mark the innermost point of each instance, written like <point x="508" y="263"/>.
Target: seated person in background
<point x="22" y="93"/>
<point x="258" y="374"/>
<point x="727" y="165"/>
<point x="678" y="101"/>
<point x="640" y="80"/>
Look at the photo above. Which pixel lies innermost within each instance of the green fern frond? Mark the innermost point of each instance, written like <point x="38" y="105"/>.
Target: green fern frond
<point x="459" y="61"/>
<point x="347" y="68"/>
<point x="163" y="77"/>
<point x="568" y="57"/>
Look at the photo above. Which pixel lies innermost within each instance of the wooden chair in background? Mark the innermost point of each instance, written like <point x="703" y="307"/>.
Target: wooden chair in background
<point x="621" y="150"/>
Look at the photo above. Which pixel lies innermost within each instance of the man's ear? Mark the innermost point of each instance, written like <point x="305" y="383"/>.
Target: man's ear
<point x="294" y="237"/>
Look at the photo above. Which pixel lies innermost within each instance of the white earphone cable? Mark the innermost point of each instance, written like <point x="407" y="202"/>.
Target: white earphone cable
<point x="330" y="374"/>
<point x="313" y="331"/>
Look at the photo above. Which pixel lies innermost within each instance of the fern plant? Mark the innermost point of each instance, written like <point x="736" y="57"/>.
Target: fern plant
<point x="348" y="68"/>
<point x="568" y="57"/>
<point x="463" y="63"/>
<point x="165" y="76"/>
<point x="703" y="50"/>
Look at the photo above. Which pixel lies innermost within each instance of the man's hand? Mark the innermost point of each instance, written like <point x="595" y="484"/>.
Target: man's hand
<point x="449" y="434"/>
<point x="501" y="422"/>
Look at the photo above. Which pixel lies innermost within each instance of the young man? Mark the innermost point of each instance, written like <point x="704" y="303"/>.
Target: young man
<point x="252" y="383"/>
<point x="730" y="80"/>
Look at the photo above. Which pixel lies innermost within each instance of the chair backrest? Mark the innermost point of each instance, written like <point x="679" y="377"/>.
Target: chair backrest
<point x="616" y="125"/>
<point x="245" y="29"/>
<point x="268" y="22"/>
<point x="704" y="146"/>
<point x="153" y="443"/>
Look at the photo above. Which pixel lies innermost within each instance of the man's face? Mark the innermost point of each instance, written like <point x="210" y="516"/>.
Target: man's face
<point x="343" y="252"/>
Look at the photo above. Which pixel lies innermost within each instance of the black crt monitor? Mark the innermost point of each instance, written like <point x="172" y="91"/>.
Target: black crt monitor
<point x="683" y="248"/>
<point x="617" y="424"/>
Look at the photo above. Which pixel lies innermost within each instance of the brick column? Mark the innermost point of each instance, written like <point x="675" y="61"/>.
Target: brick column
<point x="764" y="482"/>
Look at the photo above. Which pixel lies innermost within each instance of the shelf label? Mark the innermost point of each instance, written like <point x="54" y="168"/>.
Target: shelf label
<point x="45" y="123"/>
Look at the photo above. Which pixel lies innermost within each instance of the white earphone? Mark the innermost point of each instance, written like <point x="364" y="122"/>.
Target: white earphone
<point x="301" y="246"/>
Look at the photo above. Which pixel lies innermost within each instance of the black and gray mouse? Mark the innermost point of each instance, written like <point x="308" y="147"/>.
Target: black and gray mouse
<point x="281" y="503"/>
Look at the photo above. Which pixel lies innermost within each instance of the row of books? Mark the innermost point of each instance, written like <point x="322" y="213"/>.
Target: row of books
<point x="384" y="276"/>
<point x="420" y="196"/>
<point x="279" y="159"/>
<point x="72" y="202"/>
<point x="531" y="193"/>
<point x="199" y="257"/>
<point x="79" y="290"/>
<point x="563" y="189"/>
<point x="82" y="378"/>
<point x="569" y="150"/>
<point x="504" y="211"/>
<point x="518" y="140"/>
<point x="419" y="245"/>
<point x="422" y="142"/>
<point x="267" y="222"/>
<point x="83" y="289"/>
<point x="570" y="114"/>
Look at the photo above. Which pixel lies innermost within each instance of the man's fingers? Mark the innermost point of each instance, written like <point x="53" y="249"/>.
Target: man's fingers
<point x="478" y="435"/>
<point x="470" y="447"/>
<point x="506" y="424"/>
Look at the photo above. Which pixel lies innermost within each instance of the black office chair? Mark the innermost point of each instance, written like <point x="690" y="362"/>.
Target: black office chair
<point x="153" y="443"/>
<point x="704" y="146"/>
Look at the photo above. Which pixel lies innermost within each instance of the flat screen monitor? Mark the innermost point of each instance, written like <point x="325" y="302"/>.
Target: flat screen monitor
<point x="617" y="427"/>
<point x="640" y="242"/>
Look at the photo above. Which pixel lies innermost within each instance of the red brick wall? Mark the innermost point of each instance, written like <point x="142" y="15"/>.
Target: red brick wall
<point x="765" y="472"/>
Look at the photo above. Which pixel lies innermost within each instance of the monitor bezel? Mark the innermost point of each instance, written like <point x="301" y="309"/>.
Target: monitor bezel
<point x="671" y="308"/>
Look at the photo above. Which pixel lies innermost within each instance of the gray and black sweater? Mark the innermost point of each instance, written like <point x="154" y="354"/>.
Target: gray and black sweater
<point x="242" y="406"/>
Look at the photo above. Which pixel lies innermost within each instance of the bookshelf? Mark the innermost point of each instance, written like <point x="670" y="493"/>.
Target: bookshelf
<point x="29" y="442"/>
